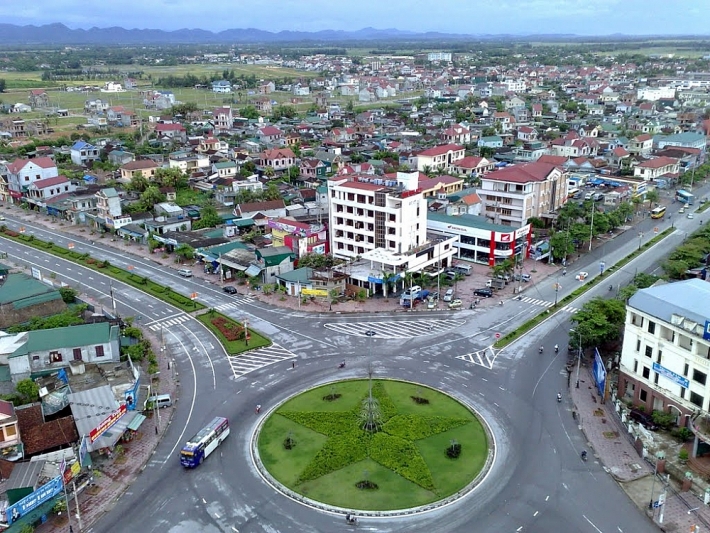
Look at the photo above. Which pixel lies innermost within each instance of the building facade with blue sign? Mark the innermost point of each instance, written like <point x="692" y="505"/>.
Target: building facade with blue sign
<point x="665" y="359"/>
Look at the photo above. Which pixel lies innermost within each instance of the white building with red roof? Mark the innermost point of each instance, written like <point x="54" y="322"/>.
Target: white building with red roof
<point x="514" y="194"/>
<point x="277" y="158"/>
<point x="474" y="166"/>
<point x="443" y="157"/>
<point x="653" y="169"/>
<point x="456" y="134"/>
<point x="22" y="173"/>
<point x="270" y="134"/>
<point x="42" y="191"/>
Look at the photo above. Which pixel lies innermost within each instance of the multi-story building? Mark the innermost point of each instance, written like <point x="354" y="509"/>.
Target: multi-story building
<point x="83" y="153"/>
<point x="653" y="169"/>
<point x="21" y="173"/>
<point x="442" y="157"/>
<point x="380" y="225"/>
<point x="223" y="119"/>
<point x="516" y="193"/>
<point x="665" y="359"/>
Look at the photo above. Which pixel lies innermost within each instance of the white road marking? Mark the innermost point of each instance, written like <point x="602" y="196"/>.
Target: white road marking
<point x="591" y="524"/>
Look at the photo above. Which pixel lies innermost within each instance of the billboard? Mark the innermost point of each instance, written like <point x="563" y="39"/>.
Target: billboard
<point x="314" y="292"/>
<point x="35" y="499"/>
<point x="599" y="373"/>
<point x="706" y="332"/>
<point x="107" y="422"/>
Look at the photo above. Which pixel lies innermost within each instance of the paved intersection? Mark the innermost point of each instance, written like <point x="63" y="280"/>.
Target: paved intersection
<point x="398" y="329"/>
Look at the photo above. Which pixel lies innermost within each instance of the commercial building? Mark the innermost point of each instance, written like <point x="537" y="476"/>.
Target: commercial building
<point x="665" y="359"/>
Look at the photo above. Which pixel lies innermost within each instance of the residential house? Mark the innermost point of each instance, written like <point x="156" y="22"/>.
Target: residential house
<point x="189" y="162"/>
<point x="537" y="111"/>
<point x="45" y="350"/>
<point x="439" y="185"/>
<point x="312" y="168"/>
<point x="227" y="193"/>
<point x="490" y="141"/>
<point x="641" y="145"/>
<point x="273" y="261"/>
<point x="299" y="237"/>
<point x="21" y="173"/>
<point x="270" y="135"/>
<point x="22" y="298"/>
<point x="514" y="194"/>
<point x="221" y="86"/>
<point x="10" y="438"/>
<point x="223" y="119"/>
<point x="270" y="209"/>
<point x="277" y="158"/>
<point x="224" y="169"/>
<point x="474" y="166"/>
<point x="527" y="134"/>
<point x="42" y="435"/>
<point x="456" y="134"/>
<point x="120" y="157"/>
<point x="142" y="167"/>
<point x="443" y="157"/>
<point x="172" y="131"/>
<point x="108" y="207"/>
<point x="38" y="98"/>
<point x="652" y="169"/>
<point x="263" y="105"/>
<point x="42" y="191"/>
<point x="83" y="153"/>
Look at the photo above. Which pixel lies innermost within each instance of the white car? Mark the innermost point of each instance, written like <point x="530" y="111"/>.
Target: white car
<point x="431" y="304"/>
<point x="581" y="276"/>
<point x="690" y="215"/>
<point x="449" y="295"/>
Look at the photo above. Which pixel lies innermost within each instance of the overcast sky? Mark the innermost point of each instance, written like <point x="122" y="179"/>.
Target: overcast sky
<point x="581" y="17"/>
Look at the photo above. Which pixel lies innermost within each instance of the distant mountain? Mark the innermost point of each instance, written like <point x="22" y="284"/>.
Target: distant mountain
<point x="48" y="34"/>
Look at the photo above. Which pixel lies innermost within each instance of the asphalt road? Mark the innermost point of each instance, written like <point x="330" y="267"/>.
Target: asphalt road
<point x="537" y="483"/>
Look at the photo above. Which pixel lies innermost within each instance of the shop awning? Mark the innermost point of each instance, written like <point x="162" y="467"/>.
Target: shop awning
<point x="136" y="422"/>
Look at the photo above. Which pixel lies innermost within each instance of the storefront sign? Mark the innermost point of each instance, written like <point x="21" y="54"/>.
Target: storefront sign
<point x="314" y="292"/>
<point x="706" y="333"/>
<point x="109" y="421"/>
<point x="669" y="374"/>
<point x="34" y="500"/>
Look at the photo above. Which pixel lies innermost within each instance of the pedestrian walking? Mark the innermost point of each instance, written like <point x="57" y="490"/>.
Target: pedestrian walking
<point x="258" y="408"/>
<point x="293" y="364"/>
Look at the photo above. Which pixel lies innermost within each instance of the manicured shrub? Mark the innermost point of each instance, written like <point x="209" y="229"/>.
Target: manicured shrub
<point x="418" y="427"/>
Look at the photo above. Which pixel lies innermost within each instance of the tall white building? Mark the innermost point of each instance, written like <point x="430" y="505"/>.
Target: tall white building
<point x="381" y="226"/>
<point x="665" y="359"/>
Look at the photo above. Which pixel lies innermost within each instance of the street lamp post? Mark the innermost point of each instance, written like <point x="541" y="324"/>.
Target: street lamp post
<point x="640" y="238"/>
<point x="591" y="228"/>
<point x="579" y="356"/>
<point x="659" y="457"/>
<point x="371" y="333"/>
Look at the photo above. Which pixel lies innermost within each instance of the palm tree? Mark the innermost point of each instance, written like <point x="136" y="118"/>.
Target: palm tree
<point x="408" y="280"/>
<point x="652" y="196"/>
<point x="387" y="278"/>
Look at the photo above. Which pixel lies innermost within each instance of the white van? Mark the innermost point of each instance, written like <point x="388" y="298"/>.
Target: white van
<point x="411" y="293"/>
<point x="185" y="272"/>
<point x="159" y="401"/>
<point x="463" y="269"/>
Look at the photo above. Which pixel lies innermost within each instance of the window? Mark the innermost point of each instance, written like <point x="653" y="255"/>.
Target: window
<point x="638" y="345"/>
<point x="651" y="327"/>
<point x="642" y="395"/>
<point x="76" y="354"/>
<point x="700" y="377"/>
<point x="649" y="352"/>
<point x="658" y="357"/>
<point x="646" y="372"/>
<point x="636" y="367"/>
<point x="696" y="399"/>
<point x="686" y="369"/>
<point x="55" y="357"/>
<point x="655" y="378"/>
<point x="10" y="431"/>
<point x="99" y="351"/>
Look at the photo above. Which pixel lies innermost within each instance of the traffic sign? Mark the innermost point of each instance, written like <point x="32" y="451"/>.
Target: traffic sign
<point x="193" y="296"/>
<point x="497" y="335"/>
<point x="655" y="230"/>
<point x="70" y="245"/>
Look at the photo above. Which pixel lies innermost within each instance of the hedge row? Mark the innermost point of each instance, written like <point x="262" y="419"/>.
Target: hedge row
<point x="417" y="427"/>
<point x="325" y="423"/>
<point x="337" y="452"/>
<point x="402" y="457"/>
<point x="387" y="407"/>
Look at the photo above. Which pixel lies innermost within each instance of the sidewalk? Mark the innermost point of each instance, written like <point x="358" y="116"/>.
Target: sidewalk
<point x="609" y="445"/>
<point x="112" y="477"/>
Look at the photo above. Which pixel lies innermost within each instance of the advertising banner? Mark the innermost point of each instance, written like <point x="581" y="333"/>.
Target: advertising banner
<point x="34" y="500"/>
<point x="599" y="373"/>
<point x="109" y="421"/>
<point x="314" y="292"/>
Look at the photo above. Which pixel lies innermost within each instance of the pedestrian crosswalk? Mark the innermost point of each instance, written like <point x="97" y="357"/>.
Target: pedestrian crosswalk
<point x="546" y="304"/>
<point x="485" y="357"/>
<point x="399" y="329"/>
<point x="157" y="325"/>
<point x="247" y="362"/>
<point x="235" y="303"/>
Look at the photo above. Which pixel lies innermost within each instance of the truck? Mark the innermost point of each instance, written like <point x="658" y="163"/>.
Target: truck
<point x="420" y="297"/>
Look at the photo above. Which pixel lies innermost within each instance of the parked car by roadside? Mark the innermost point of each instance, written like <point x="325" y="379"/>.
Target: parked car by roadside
<point x="643" y="418"/>
<point x="455" y="304"/>
<point x="484" y="292"/>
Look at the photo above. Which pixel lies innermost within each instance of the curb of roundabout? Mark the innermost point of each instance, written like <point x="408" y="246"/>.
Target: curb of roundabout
<point x="330" y="509"/>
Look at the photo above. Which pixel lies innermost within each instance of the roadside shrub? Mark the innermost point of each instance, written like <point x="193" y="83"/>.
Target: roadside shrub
<point x="418" y="427"/>
<point x="338" y="452"/>
<point x="388" y="451"/>
<point x="453" y="451"/>
<point x="664" y="420"/>
<point x="682" y="434"/>
<point x="228" y="328"/>
<point x="683" y="454"/>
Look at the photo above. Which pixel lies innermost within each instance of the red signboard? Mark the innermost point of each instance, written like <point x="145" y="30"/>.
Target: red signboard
<point x="109" y="421"/>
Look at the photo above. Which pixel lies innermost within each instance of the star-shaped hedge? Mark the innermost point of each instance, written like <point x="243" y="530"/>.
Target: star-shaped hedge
<point x="393" y="447"/>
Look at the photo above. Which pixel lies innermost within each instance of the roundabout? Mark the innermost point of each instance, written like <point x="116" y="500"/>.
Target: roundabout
<point x="381" y="447"/>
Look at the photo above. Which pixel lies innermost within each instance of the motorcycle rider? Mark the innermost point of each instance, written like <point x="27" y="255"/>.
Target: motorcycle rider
<point x="584" y="455"/>
<point x="541" y="348"/>
<point x="557" y="348"/>
<point x="559" y="397"/>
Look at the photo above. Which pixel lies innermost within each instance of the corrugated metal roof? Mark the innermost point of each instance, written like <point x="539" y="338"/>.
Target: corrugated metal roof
<point x="90" y="407"/>
<point x="67" y="337"/>
<point x="25" y="475"/>
<point x="18" y="287"/>
<point x="687" y="298"/>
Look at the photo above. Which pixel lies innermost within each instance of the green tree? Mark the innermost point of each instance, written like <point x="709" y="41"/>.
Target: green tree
<point x="68" y="294"/>
<point x="562" y="244"/>
<point x="600" y="320"/>
<point x="150" y="197"/>
<point x="652" y="197"/>
<point x="293" y="173"/>
<point x="28" y="389"/>
<point x="249" y="112"/>
<point x="209" y="218"/>
<point x="2" y="85"/>
<point x="185" y="251"/>
<point x="139" y="183"/>
<point x="171" y="177"/>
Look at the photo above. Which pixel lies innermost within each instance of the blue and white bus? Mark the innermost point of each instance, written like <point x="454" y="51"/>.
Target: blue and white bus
<point x="684" y="196"/>
<point x="204" y="443"/>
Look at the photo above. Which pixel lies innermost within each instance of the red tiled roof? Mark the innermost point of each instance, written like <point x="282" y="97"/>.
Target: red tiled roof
<point x="270" y="131"/>
<point x="7" y="408"/>
<point x="361" y="185"/>
<point x="522" y="173"/>
<point x="469" y="162"/>
<point x="658" y="162"/>
<point x="50" y="182"/>
<point x="643" y="138"/>
<point x="552" y="159"/>
<point x="441" y="150"/>
<point x="42" y="162"/>
<point x="38" y="435"/>
<point x="278" y="153"/>
<point x="169" y="127"/>
<point x="141" y="164"/>
<point x="620" y="151"/>
<point x="250" y="207"/>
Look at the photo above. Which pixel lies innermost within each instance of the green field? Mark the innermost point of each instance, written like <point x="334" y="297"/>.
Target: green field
<point x="332" y="456"/>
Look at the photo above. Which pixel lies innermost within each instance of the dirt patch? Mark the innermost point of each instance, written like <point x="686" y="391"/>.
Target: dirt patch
<point x="611" y="435"/>
<point x="599" y="412"/>
<point x="93" y="490"/>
